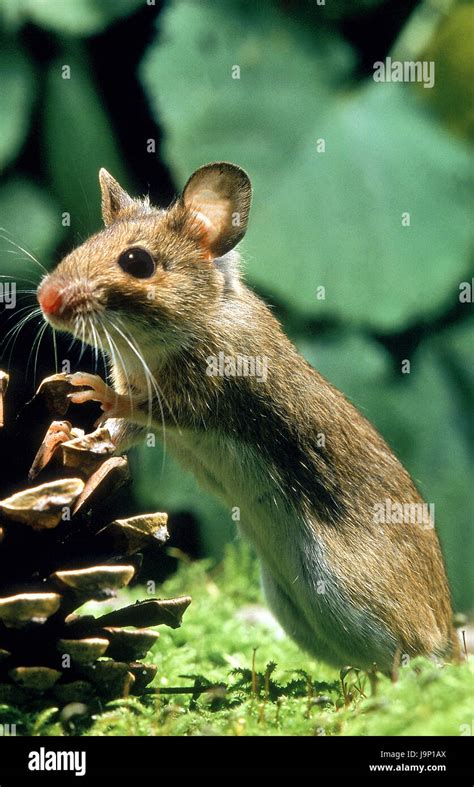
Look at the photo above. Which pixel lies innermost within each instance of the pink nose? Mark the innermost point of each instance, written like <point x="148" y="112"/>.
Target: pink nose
<point x="50" y="298"/>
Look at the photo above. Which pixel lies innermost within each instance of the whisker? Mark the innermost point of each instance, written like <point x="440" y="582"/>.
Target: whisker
<point x="14" y="332"/>
<point x="25" y="251"/>
<point x="97" y="344"/>
<point x="150" y="379"/>
<point x="16" y="312"/>
<point x="38" y="336"/>
<point x="114" y="349"/>
<point x="102" y="350"/>
<point x="31" y="313"/>
<point x="20" y="278"/>
<point x="55" y="349"/>
<point x="41" y="334"/>
<point x="83" y="335"/>
<point x="25" y="292"/>
<point x="138" y="352"/>
<point x="74" y="339"/>
<point x="82" y="339"/>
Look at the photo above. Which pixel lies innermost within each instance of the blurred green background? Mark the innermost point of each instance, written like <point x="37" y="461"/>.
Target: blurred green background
<point x="335" y="158"/>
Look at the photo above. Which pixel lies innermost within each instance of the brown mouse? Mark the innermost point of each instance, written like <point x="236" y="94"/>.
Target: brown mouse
<point x="351" y="565"/>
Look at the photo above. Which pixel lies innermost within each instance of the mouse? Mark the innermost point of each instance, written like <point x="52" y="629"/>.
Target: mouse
<point x="350" y="569"/>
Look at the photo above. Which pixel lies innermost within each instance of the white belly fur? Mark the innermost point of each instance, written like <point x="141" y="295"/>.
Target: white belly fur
<point x="305" y="594"/>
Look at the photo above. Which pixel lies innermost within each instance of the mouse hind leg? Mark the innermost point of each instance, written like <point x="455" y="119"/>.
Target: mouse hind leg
<point x="331" y="628"/>
<point x="293" y="621"/>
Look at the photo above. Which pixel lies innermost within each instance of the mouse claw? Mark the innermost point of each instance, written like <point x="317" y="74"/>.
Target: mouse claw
<point x="97" y="391"/>
<point x="83" y="396"/>
<point x="113" y="404"/>
<point x="86" y="378"/>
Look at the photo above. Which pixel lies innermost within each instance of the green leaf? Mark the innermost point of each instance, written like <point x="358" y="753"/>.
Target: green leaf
<point x="195" y="53"/>
<point x="78" y="142"/>
<point x="425" y="416"/>
<point x="451" y="49"/>
<point x="70" y="17"/>
<point x="29" y="218"/>
<point x="16" y="98"/>
<point x="330" y="218"/>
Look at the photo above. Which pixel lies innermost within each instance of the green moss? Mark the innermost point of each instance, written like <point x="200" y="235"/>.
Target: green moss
<point x="288" y="693"/>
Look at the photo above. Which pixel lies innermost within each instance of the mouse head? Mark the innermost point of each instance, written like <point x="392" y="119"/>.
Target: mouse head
<point x="152" y="277"/>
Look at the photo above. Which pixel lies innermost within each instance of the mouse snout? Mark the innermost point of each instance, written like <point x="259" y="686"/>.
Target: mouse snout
<point x="50" y="298"/>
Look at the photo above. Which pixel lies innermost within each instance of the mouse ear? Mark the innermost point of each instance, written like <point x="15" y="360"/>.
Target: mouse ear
<point x="114" y="199"/>
<point x="218" y="196"/>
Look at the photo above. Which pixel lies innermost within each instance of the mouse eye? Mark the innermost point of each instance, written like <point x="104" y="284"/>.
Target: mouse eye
<point x="137" y="262"/>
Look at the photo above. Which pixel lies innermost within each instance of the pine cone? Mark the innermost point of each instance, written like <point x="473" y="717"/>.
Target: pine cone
<point x="59" y="549"/>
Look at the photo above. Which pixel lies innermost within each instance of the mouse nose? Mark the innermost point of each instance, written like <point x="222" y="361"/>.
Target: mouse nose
<point x="50" y="298"/>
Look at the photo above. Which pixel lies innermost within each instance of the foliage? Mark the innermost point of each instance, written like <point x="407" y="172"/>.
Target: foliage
<point x="17" y="98"/>
<point x="332" y="207"/>
<point x="79" y="17"/>
<point x="20" y="198"/>
<point x="78" y="140"/>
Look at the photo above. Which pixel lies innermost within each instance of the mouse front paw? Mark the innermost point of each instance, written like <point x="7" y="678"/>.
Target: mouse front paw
<point x="113" y="404"/>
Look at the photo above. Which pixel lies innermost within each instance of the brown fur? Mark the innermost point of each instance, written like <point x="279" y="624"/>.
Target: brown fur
<point x="394" y="572"/>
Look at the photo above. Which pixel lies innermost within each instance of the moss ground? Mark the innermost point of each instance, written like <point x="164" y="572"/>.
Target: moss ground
<point x="262" y="683"/>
